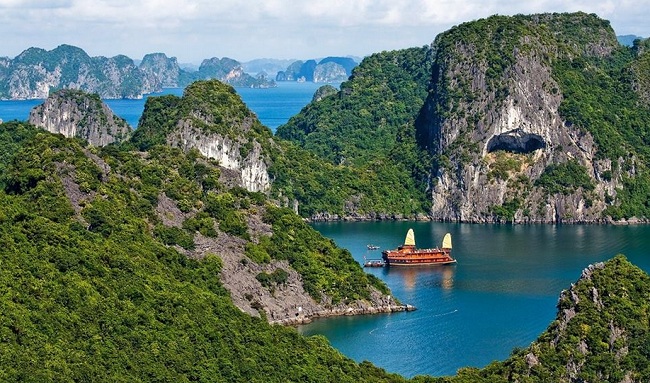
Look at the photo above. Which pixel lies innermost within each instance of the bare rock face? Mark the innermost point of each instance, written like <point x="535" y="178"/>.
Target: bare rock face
<point x="212" y="118"/>
<point x="503" y="127"/>
<point x="74" y="113"/>
<point x="230" y="152"/>
<point x="330" y="72"/>
<point x="287" y="303"/>
<point x="161" y="70"/>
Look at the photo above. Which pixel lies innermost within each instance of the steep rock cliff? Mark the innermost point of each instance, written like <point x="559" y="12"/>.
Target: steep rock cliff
<point x="211" y="118"/>
<point x="329" y="72"/>
<point x="329" y="69"/>
<point x="74" y="113"/>
<point x="162" y="71"/>
<point x="228" y="151"/>
<point x="492" y="118"/>
<point x="323" y="91"/>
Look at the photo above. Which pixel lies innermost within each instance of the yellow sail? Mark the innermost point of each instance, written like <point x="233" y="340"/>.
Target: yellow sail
<point x="410" y="238"/>
<point x="446" y="241"/>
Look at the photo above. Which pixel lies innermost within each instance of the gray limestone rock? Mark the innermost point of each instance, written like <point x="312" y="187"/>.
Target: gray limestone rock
<point x="74" y="113"/>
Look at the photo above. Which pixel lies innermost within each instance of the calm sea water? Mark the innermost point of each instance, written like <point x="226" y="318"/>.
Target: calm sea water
<point x="273" y="106"/>
<point x="502" y="293"/>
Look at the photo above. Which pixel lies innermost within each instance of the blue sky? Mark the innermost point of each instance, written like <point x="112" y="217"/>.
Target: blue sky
<point x="193" y="30"/>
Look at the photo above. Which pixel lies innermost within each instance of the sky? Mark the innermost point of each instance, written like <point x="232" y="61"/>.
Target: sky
<point x="193" y="30"/>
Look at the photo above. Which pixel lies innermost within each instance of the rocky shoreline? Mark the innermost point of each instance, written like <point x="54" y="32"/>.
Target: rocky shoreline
<point x="373" y="217"/>
<point x="302" y="318"/>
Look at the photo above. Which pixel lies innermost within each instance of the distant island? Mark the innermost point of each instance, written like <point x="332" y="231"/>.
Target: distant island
<point x="628" y="40"/>
<point x="329" y="69"/>
<point x="36" y="73"/>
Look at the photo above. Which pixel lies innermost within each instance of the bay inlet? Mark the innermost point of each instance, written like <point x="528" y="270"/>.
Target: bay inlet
<point x="502" y="293"/>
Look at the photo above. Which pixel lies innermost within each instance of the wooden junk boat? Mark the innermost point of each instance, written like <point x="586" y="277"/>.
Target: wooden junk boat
<point x="409" y="255"/>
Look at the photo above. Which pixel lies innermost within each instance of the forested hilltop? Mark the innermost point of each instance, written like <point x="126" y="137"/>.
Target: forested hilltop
<point x="540" y="118"/>
<point x="124" y="265"/>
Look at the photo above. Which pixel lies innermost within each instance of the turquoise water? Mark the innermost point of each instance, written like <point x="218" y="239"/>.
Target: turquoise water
<point x="501" y="294"/>
<point x="273" y="106"/>
<point x="130" y="110"/>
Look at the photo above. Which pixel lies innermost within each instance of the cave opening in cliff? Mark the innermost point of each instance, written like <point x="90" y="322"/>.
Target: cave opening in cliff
<point x="516" y="141"/>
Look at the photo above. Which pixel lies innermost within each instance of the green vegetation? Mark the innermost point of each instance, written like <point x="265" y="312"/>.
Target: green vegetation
<point x="607" y="340"/>
<point x="278" y="277"/>
<point x="379" y="187"/>
<point x="506" y="211"/>
<point x="366" y="132"/>
<point x="384" y="92"/>
<point x="633" y="197"/>
<point x="101" y="294"/>
<point x="504" y="164"/>
<point x="565" y="178"/>
<point x="12" y="135"/>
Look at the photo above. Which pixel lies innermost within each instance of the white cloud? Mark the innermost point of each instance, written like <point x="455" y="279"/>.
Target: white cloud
<point x="195" y="29"/>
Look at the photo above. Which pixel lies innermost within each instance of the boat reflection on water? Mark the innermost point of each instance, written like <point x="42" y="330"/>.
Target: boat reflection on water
<point x="422" y="276"/>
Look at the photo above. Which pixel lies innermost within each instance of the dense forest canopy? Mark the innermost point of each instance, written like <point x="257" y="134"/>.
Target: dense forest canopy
<point x="95" y="288"/>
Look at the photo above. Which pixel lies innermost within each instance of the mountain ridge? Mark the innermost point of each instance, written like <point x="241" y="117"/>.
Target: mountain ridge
<point x="36" y="72"/>
<point x="510" y="128"/>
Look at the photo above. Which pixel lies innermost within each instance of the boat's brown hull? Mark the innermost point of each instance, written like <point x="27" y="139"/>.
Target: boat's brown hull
<point x="403" y="262"/>
<point x="417" y="258"/>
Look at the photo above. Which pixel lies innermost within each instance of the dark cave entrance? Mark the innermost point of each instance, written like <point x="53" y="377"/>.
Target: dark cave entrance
<point x="516" y="141"/>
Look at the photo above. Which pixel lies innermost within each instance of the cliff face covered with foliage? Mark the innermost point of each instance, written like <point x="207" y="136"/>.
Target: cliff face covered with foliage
<point x="211" y="118"/>
<point x="532" y="118"/>
<point x="528" y="118"/>
<point x="600" y="334"/>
